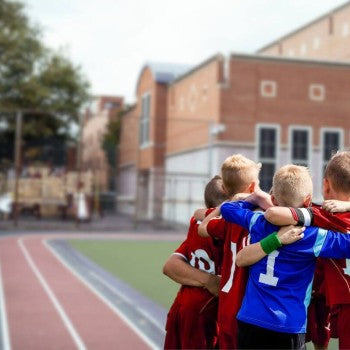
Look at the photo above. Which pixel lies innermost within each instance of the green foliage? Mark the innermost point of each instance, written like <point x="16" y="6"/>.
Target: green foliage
<point x="34" y="78"/>
<point x="111" y="139"/>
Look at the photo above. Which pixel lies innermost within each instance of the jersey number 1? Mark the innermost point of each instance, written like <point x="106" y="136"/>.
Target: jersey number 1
<point x="228" y="284"/>
<point x="268" y="277"/>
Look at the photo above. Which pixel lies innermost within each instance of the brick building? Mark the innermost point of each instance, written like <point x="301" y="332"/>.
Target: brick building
<point x="96" y="118"/>
<point x="272" y="109"/>
<point x="326" y="37"/>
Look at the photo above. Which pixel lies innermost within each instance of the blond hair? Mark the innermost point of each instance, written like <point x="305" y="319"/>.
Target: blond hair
<point x="338" y="172"/>
<point x="291" y="185"/>
<point x="238" y="172"/>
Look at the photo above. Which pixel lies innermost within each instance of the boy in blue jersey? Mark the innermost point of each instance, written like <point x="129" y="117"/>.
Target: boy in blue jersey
<point x="273" y="312"/>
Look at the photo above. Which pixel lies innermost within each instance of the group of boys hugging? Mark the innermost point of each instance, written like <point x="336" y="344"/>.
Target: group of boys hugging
<point x="264" y="271"/>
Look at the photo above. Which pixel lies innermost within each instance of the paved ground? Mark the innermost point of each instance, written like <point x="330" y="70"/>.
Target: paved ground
<point x="51" y="297"/>
<point x="108" y="223"/>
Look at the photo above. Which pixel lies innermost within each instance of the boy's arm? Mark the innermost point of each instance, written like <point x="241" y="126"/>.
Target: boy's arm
<point x="182" y="272"/>
<point x="280" y="216"/>
<point x="199" y="214"/>
<point x="336" y="206"/>
<point x="240" y="213"/>
<point x="202" y="228"/>
<point x="252" y="253"/>
<point x="260" y="199"/>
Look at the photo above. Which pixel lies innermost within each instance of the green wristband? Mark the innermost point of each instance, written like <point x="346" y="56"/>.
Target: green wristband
<point x="270" y="243"/>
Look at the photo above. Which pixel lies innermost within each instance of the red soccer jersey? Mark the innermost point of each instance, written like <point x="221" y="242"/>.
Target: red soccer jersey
<point x="336" y="279"/>
<point x="233" y="279"/>
<point x="192" y="319"/>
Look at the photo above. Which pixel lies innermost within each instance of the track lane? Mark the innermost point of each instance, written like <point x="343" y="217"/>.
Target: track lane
<point x="96" y="323"/>
<point x="32" y="320"/>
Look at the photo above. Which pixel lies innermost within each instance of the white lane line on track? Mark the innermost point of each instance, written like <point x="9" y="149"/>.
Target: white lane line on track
<point x="66" y="321"/>
<point x="119" y="313"/>
<point x="127" y="300"/>
<point x="4" y="325"/>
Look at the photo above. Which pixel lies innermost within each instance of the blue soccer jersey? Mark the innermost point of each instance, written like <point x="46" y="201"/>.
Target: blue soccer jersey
<point x="279" y="286"/>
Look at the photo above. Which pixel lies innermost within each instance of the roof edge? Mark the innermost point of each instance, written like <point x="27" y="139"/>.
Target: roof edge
<point x="199" y="66"/>
<point x="308" y="24"/>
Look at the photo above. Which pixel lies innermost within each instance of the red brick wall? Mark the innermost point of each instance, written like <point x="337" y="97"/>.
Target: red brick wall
<point x="153" y="155"/>
<point x="242" y="105"/>
<point x="129" y="138"/>
<point x="193" y="102"/>
<point x="327" y="38"/>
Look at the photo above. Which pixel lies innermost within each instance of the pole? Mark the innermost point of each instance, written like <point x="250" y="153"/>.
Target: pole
<point x="78" y="165"/>
<point x="18" y="143"/>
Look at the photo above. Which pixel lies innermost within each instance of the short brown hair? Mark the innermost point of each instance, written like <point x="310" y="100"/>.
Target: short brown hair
<point x="214" y="193"/>
<point x="291" y="185"/>
<point x="238" y="172"/>
<point x="338" y="171"/>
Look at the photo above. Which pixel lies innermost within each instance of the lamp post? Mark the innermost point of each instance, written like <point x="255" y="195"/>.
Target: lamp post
<point x="213" y="130"/>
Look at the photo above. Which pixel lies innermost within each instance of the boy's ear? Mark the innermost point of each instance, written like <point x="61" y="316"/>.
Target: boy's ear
<point x="273" y="200"/>
<point x="307" y="201"/>
<point x="253" y="186"/>
<point x="326" y="188"/>
<point x="224" y="188"/>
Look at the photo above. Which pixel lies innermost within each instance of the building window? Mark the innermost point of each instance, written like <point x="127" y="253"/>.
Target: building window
<point x="145" y="119"/>
<point x="268" y="139"/>
<point x="331" y="142"/>
<point x="345" y="30"/>
<point x="300" y="145"/>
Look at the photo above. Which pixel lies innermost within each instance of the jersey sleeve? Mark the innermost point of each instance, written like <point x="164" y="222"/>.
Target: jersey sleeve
<point x="335" y="245"/>
<point x="184" y="249"/>
<point x="240" y="213"/>
<point x="216" y="228"/>
<point x="325" y="219"/>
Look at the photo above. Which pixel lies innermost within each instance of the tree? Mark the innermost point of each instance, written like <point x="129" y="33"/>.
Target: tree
<point x="36" y="79"/>
<point x="110" y="142"/>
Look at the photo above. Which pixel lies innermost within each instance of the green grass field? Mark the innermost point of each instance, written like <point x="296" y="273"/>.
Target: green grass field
<point x="139" y="263"/>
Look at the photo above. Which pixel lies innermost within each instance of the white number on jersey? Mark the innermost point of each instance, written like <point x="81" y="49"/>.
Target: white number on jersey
<point x="228" y="284"/>
<point x="201" y="257"/>
<point x="347" y="268"/>
<point x="268" y="277"/>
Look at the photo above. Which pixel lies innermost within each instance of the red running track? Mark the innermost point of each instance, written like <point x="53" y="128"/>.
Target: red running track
<point x="47" y="307"/>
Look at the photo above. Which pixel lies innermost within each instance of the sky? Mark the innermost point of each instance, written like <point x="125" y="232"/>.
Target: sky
<point x="113" y="39"/>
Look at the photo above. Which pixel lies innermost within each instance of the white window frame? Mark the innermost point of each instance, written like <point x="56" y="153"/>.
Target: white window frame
<point x="276" y="127"/>
<point x="307" y="128"/>
<point x="145" y="139"/>
<point x="323" y="130"/>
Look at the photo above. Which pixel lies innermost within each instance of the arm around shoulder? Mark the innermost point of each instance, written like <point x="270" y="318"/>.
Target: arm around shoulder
<point x="202" y="228"/>
<point x="180" y="271"/>
<point x="280" y="216"/>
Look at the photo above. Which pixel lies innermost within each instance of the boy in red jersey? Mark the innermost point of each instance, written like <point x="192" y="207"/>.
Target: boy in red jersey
<point x="239" y="175"/>
<point x="196" y="264"/>
<point x="331" y="288"/>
